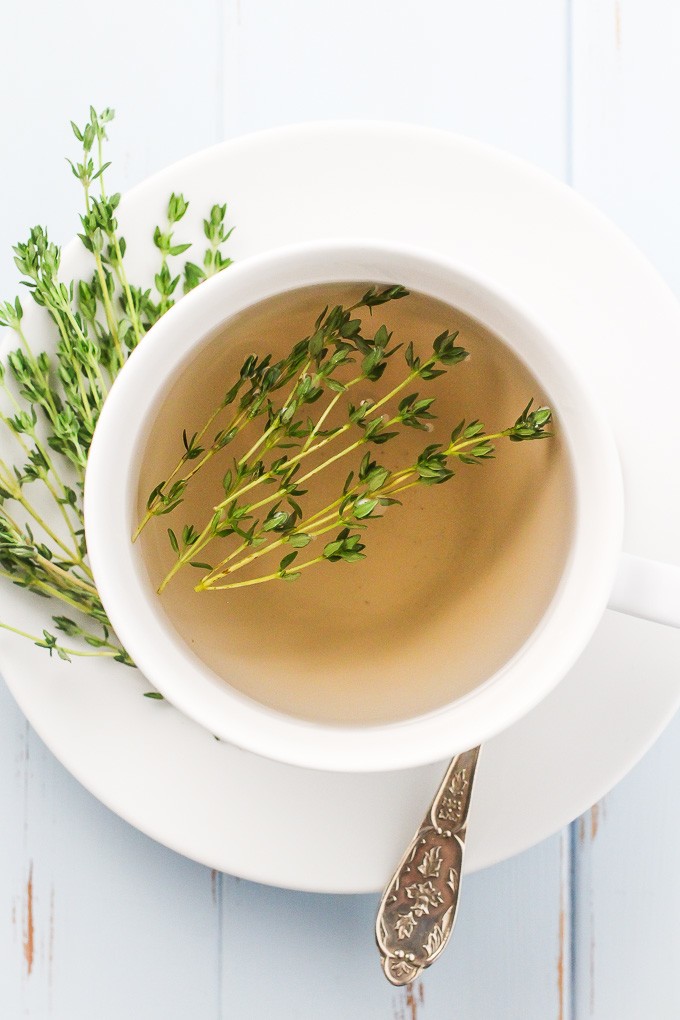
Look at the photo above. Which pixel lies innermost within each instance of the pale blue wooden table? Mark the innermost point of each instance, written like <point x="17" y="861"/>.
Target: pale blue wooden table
<point x="97" y="922"/>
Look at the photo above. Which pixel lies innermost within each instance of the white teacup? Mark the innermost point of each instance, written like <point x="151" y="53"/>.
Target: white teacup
<point x="595" y="572"/>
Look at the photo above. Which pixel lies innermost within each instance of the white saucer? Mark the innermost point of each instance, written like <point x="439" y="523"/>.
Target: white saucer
<point x="343" y="833"/>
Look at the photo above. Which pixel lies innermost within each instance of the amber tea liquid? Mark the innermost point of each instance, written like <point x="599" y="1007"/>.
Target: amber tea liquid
<point x="455" y="580"/>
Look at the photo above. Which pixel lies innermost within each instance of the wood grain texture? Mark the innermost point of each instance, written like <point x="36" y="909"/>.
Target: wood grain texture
<point x="627" y="937"/>
<point x="134" y="58"/>
<point x="91" y="911"/>
<point x="307" y="956"/>
<point x="95" y="919"/>
<point x="626" y="158"/>
<point x="625" y="137"/>
<point x="472" y="68"/>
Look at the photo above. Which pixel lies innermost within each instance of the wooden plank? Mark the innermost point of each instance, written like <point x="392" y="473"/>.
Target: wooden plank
<point x="93" y="911"/>
<point x="472" y="68"/>
<point x="309" y="956"/>
<point x="16" y="944"/>
<point x="625" y="138"/>
<point x="160" y="70"/>
<point x="626" y="158"/>
<point x="112" y="886"/>
<point x="628" y="894"/>
<point x="96" y="919"/>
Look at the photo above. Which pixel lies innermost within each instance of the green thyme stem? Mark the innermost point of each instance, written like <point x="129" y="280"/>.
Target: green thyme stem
<point x="119" y="268"/>
<point x="69" y="388"/>
<point x="327" y="519"/>
<point x="49" y="589"/>
<point x="18" y="495"/>
<point x="63" y="596"/>
<point x="206" y="534"/>
<point x="92" y="365"/>
<point x="317" y="427"/>
<point x="241" y="490"/>
<point x="49" y="298"/>
<point x="237" y="422"/>
<point x="304" y="526"/>
<point x="45" y="563"/>
<point x="34" y="436"/>
<point x="337" y="328"/>
<point x="76" y="554"/>
<point x="321" y="527"/>
<point x="310" y="525"/>
<point x="79" y="652"/>
<point x="277" y="422"/>
<point x="277" y="419"/>
<point x="80" y="382"/>
<point x="101" y="393"/>
<point x="329" y="439"/>
<point x="59" y="500"/>
<point x="33" y="583"/>
<point x="316" y="524"/>
<point x="453" y="450"/>
<point x="375" y="489"/>
<point x="326" y="463"/>
<point x="210" y="263"/>
<point x="265" y="577"/>
<point x="318" y="446"/>
<point x="101" y="276"/>
<point x="51" y="407"/>
<point x="66" y="577"/>
<point x="106" y="301"/>
<point x="165" y="302"/>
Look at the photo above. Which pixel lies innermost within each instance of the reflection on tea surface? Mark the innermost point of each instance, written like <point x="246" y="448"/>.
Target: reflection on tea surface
<point x="454" y="581"/>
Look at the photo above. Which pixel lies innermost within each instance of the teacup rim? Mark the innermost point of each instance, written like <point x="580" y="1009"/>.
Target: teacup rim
<point x="249" y="724"/>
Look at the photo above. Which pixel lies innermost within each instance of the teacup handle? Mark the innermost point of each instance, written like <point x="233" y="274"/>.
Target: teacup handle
<point x="647" y="589"/>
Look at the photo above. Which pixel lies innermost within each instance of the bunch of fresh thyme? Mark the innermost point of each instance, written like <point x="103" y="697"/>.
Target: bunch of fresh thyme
<point x="260" y="510"/>
<point x="51" y="403"/>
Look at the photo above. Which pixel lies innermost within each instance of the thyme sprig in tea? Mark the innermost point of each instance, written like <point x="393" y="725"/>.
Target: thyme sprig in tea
<point x="51" y="403"/>
<point x="286" y="413"/>
<point x="267" y="491"/>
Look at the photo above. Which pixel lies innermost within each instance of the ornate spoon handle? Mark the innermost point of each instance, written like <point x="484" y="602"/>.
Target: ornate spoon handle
<point x="418" y="908"/>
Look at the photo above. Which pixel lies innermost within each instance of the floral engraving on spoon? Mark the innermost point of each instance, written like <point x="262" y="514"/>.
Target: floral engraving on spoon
<point x="418" y="908"/>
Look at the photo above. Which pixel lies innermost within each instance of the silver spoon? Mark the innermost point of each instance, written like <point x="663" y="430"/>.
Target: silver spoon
<point x="418" y="908"/>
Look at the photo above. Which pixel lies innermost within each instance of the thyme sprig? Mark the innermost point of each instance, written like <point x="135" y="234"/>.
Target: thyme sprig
<point x="50" y="404"/>
<point x="317" y="366"/>
<point x="374" y="491"/>
<point x="260" y="379"/>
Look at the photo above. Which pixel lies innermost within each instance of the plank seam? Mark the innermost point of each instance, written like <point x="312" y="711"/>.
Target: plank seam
<point x="569" y="93"/>
<point x="219" y="897"/>
<point x="220" y="105"/>
<point x="573" y="903"/>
